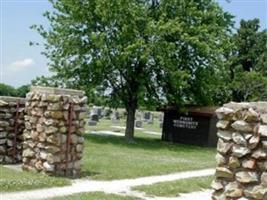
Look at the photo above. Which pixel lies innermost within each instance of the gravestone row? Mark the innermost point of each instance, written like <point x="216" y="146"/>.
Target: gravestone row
<point x="115" y="116"/>
<point x="97" y="113"/>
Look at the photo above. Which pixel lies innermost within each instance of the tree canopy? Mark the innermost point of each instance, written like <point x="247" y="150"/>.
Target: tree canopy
<point x="248" y="62"/>
<point x="139" y="51"/>
<point x="7" y="90"/>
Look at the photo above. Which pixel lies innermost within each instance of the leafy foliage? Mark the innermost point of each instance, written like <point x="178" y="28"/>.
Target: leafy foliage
<point x="138" y="52"/>
<point x="251" y="44"/>
<point x="248" y="62"/>
<point x="7" y="90"/>
<point x="250" y="86"/>
<point x="22" y="90"/>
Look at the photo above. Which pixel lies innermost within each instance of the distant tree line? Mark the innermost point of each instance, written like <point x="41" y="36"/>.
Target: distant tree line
<point x="7" y="90"/>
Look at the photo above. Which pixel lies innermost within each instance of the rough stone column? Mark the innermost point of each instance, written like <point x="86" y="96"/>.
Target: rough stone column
<point x="11" y="129"/>
<point x="241" y="171"/>
<point x="54" y="124"/>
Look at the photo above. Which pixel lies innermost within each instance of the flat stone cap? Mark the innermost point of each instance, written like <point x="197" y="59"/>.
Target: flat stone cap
<point x="57" y="91"/>
<point x="12" y="99"/>
<point x="260" y="106"/>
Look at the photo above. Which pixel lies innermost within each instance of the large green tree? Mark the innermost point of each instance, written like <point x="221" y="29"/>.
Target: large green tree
<point x="248" y="55"/>
<point x="138" y="51"/>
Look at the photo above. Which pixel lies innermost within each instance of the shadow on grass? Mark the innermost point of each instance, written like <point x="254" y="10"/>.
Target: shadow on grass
<point x="153" y="144"/>
<point x="87" y="173"/>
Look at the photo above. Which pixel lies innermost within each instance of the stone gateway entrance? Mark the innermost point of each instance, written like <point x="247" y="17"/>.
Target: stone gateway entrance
<point x="54" y="124"/>
<point x="241" y="171"/>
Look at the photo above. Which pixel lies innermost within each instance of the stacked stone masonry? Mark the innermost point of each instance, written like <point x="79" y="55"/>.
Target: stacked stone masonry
<point x="54" y="127"/>
<point x="241" y="171"/>
<point x="11" y="129"/>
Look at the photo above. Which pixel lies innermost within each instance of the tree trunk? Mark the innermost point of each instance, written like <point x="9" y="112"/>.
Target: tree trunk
<point x="129" y="132"/>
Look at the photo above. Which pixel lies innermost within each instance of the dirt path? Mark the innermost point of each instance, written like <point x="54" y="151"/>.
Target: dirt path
<point x="122" y="187"/>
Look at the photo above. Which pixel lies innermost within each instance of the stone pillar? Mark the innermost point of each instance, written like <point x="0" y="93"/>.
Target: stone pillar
<point x="54" y="125"/>
<point x="11" y="129"/>
<point x="241" y="171"/>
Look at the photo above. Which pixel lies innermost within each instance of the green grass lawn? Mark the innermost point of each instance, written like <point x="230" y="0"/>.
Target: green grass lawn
<point x="174" y="188"/>
<point x="94" y="196"/>
<point x="11" y="180"/>
<point x="109" y="157"/>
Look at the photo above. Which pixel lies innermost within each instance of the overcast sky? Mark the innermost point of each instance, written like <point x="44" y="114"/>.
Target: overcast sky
<point x="21" y="63"/>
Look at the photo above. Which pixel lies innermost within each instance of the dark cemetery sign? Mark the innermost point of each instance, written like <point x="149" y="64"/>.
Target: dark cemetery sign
<point x="197" y="126"/>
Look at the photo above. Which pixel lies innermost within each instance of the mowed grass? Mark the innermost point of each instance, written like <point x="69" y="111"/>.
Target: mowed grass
<point x="109" y="157"/>
<point x="94" y="196"/>
<point x="175" y="188"/>
<point x="11" y="180"/>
